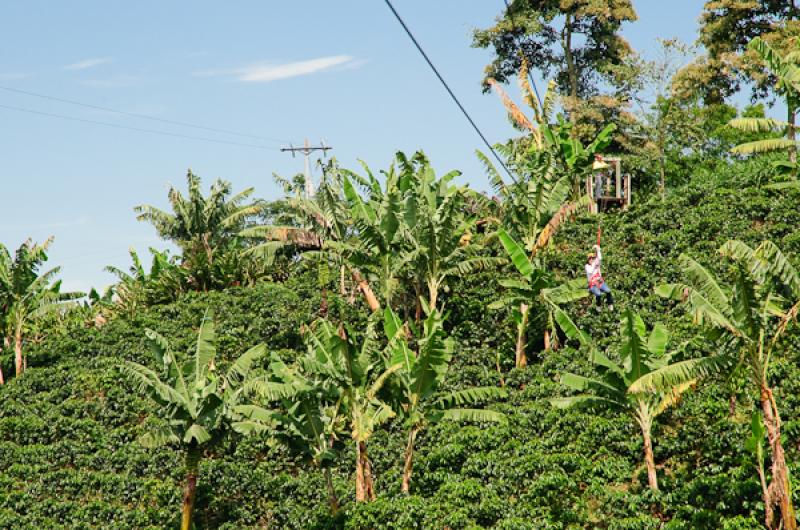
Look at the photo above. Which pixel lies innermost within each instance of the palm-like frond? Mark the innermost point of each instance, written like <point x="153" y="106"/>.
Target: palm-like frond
<point x="769" y="145"/>
<point x="680" y="373"/>
<point x="758" y="125"/>
<point x="474" y="415"/>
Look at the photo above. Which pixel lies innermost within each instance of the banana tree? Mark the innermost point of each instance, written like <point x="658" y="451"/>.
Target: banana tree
<point x="139" y="287"/>
<point x="309" y="419"/>
<point x="357" y="375"/>
<point x="205" y="228"/>
<point x="615" y="387"/>
<point x="745" y="322"/>
<point x="377" y="240"/>
<point x="419" y="401"/>
<point x="197" y="404"/>
<point x="305" y="223"/>
<point x="537" y="201"/>
<point x="577" y="158"/>
<point x="555" y="139"/>
<point x="534" y="287"/>
<point x="786" y="69"/>
<point x="26" y="294"/>
<point x="437" y="229"/>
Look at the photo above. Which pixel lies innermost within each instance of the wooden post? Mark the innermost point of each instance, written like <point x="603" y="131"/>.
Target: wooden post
<point x="628" y="190"/>
<point x="618" y="192"/>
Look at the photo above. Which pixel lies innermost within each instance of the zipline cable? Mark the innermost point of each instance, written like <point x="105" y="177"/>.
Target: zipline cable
<point x="447" y="87"/>
<point x="138" y="129"/>
<point x="139" y="116"/>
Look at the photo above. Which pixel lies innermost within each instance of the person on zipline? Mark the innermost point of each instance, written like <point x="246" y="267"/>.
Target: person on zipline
<point x="597" y="285"/>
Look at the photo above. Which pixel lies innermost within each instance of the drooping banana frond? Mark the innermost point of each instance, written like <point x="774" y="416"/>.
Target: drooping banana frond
<point x="682" y="372"/>
<point x="758" y="125"/>
<point x="157" y="437"/>
<point x="672" y="397"/>
<point x="513" y="110"/>
<point x="474" y="415"/>
<point x="769" y="145"/>
<point x="566" y="211"/>
<point x="470" y="396"/>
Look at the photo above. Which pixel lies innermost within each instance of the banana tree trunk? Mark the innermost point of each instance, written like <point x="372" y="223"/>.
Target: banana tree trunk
<point x="433" y="294"/>
<point x="409" y="460"/>
<point x="192" y="464"/>
<point x="522" y="340"/>
<point x="333" y="500"/>
<point x="364" y="487"/>
<point x="369" y="295"/>
<point x="19" y="367"/>
<point x="790" y="133"/>
<point x="649" y="460"/>
<point x="779" y="490"/>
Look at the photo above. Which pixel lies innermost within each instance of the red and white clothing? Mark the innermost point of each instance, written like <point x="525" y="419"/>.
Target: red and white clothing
<point x="593" y="275"/>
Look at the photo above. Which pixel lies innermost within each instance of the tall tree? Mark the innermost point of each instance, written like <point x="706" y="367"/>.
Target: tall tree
<point x="576" y="43"/>
<point x="26" y="293"/>
<point x="640" y="353"/>
<point x="197" y="404"/>
<point x="573" y="42"/>
<point x="746" y="322"/>
<point x="726" y="28"/>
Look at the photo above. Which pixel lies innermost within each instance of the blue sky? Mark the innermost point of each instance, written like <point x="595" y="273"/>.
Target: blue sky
<point x="342" y="71"/>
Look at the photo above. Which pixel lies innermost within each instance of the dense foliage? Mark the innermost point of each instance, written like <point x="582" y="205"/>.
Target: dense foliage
<point x="68" y="428"/>
<point x="396" y="350"/>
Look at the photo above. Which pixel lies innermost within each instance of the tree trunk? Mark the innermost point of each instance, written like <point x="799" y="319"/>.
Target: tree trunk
<point x="779" y="492"/>
<point x="365" y="490"/>
<point x="333" y="500"/>
<point x="369" y="295"/>
<point x="769" y="513"/>
<point x="192" y="464"/>
<point x="519" y="351"/>
<point x="568" y="58"/>
<point x="790" y="133"/>
<point x="409" y="460"/>
<point x="433" y="293"/>
<point x="418" y="305"/>
<point x="323" y="303"/>
<point x="652" y="477"/>
<point x="369" y="484"/>
<point x="19" y="368"/>
<point x="547" y="340"/>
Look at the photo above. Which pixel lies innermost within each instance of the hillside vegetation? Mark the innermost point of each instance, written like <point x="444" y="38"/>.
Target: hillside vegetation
<point x="69" y="426"/>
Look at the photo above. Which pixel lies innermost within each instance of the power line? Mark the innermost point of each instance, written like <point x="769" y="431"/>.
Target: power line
<point x="447" y="87"/>
<point x="140" y="116"/>
<point x="138" y="129"/>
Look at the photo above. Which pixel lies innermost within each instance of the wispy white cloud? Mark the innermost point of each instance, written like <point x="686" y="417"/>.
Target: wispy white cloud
<point x="266" y="72"/>
<point x="87" y="63"/>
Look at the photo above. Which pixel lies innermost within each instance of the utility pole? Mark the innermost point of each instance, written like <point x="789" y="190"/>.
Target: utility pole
<point x="307" y="150"/>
